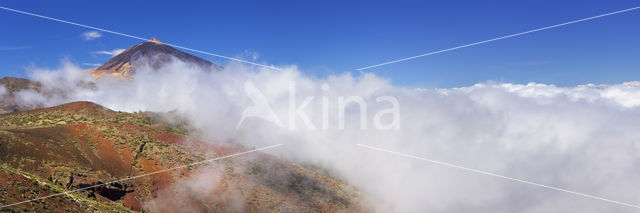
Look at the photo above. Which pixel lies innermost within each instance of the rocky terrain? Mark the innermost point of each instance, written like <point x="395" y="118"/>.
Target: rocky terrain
<point x="71" y="146"/>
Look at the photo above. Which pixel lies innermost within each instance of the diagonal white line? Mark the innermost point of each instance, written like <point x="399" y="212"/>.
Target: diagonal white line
<point x="143" y="175"/>
<point x="499" y="38"/>
<point x="136" y="37"/>
<point x="497" y="175"/>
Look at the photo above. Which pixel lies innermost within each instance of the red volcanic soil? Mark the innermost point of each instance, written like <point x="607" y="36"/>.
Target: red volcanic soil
<point x="15" y="187"/>
<point x="130" y="201"/>
<point x="196" y="143"/>
<point x="170" y="138"/>
<point x="105" y="151"/>
<point x="158" y="180"/>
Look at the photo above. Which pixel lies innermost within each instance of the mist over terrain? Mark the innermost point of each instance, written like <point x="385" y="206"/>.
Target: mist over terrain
<point x="583" y="138"/>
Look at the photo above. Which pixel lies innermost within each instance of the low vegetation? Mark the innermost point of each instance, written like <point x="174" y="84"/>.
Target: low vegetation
<point x="80" y="144"/>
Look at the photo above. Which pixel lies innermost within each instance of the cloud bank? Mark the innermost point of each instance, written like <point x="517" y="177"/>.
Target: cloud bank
<point x="583" y="138"/>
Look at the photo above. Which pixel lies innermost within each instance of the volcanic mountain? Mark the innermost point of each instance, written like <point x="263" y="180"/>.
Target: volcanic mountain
<point x="152" y="53"/>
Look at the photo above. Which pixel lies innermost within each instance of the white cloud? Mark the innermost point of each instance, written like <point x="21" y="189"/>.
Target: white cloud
<point x="90" y="35"/>
<point x="91" y="65"/>
<point x="3" y="91"/>
<point x="113" y="52"/>
<point x="583" y="138"/>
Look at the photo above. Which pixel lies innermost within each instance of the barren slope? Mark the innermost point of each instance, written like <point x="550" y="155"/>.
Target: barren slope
<point x="80" y="144"/>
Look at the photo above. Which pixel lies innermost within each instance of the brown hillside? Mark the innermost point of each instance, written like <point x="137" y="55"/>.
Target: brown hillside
<point x="81" y="144"/>
<point x="12" y="85"/>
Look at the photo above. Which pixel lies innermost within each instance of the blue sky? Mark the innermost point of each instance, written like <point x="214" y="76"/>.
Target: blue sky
<point x="327" y="37"/>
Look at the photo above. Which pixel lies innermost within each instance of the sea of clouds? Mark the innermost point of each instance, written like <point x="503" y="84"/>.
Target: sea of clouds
<point x="584" y="138"/>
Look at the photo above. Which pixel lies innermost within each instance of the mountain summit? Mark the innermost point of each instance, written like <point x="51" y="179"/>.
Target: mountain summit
<point x="152" y="53"/>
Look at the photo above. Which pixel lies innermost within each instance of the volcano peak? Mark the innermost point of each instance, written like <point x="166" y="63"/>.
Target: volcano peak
<point x="153" y="53"/>
<point x="154" y="40"/>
